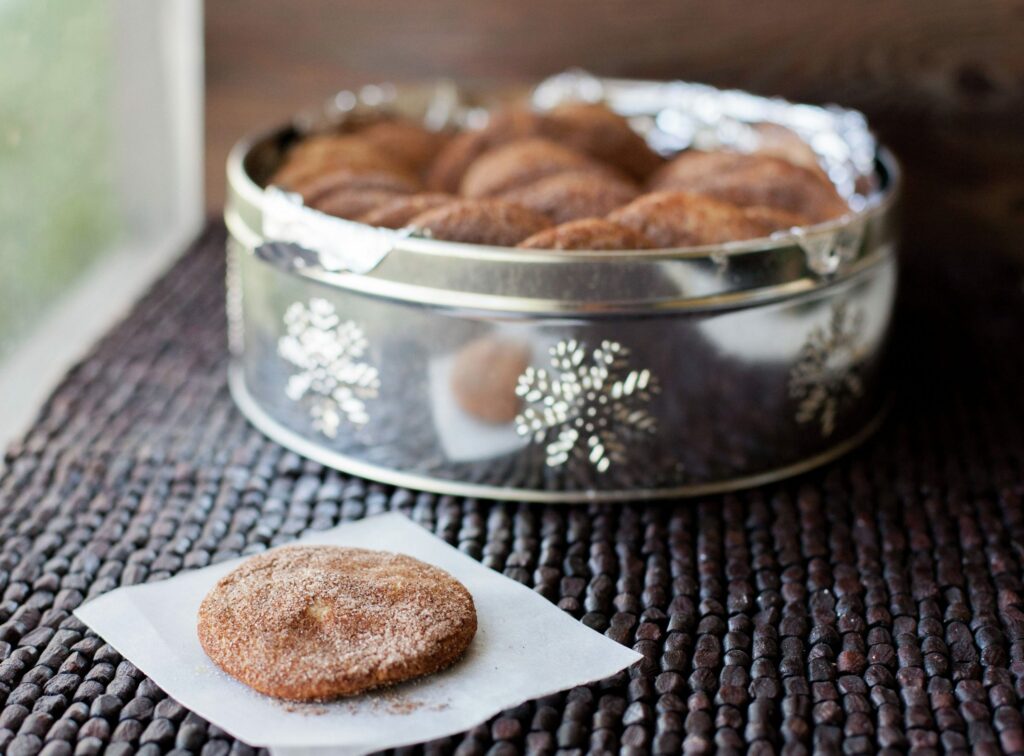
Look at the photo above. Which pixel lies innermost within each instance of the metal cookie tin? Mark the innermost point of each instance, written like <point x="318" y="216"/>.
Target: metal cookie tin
<point x="640" y="374"/>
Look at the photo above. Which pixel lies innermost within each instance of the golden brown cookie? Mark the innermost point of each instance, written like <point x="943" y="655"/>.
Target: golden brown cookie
<point x="405" y="140"/>
<point x="572" y="195"/>
<point x="776" y="140"/>
<point x="683" y="219"/>
<point x="311" y="623"/>
<point x="598" y="131"/>
<point x="772" y="219"/>
<point x="320" y="154"/>
<point x="484" y="377"/>
<point x="587" y="234"/>
<point x="503" y="126"/>
<point x="481" y="221"/>
<point x="353" y="203"/>
<point x="753" y="180"/>
<point x="397" y="212"/>
<point x="445" y="173"/>
<point x="522" y="162"/>
<point x="322" y="185"/>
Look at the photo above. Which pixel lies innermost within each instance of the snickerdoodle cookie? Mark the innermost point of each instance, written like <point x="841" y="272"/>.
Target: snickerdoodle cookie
<point x="397" y="212"/>
<point x="587" y="234"/>
<point x="312" y="623"/>
<point x="522" y="162"/>
<point x="680" y="219"/>
<point x="749" y="180"/>
<point x="480" y="221"/>
<point x="570" y="196"/>
<point x="596" y="130"/>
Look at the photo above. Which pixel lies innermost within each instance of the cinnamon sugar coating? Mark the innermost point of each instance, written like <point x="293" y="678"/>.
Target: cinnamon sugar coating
<point x="588" y="234"/>
<point x="312" y="623"/>
<point x="321" y="154"/>
<point x="504" y="125"/>
<point x="323" y="185"/>
<point x="354" y="203"/>
<point x="598" y="131"/>
<point x="681" y="219"/>
<point x="522" y="162"/>
<point x="748" y="180"/>
<point x="397" y="212"/>
<point x="572" y="195"/>
<point x="481" y="221"/>
<point x="772" y="219"/>
<point x="406" y="141"/>
<point x="778" y="141"/>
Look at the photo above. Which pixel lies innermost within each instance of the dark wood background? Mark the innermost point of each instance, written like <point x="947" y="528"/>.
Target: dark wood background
<point x="942" y="80"/>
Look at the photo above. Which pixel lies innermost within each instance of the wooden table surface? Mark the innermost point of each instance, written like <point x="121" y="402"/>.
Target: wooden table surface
<point x="942" y="82"/>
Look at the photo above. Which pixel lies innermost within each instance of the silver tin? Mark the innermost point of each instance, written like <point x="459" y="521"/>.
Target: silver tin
<point x="648" y="374"/>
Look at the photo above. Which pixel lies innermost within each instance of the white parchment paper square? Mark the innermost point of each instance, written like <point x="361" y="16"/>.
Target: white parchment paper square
<point x="525" y="647"/>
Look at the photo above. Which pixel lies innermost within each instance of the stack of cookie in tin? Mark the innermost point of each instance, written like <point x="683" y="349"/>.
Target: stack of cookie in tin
<point x="575" y="177"/>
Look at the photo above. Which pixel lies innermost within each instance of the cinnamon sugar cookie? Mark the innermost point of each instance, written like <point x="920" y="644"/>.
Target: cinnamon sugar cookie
<point x="454" y="159"/>
<point x="406" y="141"/>
<point x="772" y="219"/>
<point x="753" y="180"/>
<point x="587" y="234"/>
<point x="312" y="623"/>
<point x="682" y="219"/>
<point x="573" y="195"/>
<point x="778" y="141"/>
<point x="398" y="212"/>
<point x="316" y="188"/>
<point x="598" y="131"/>
<point x="522" y="162"/>
<point x="321" y="154"/>
<point x="481" y="221"/>
<point x="354" y="203"/>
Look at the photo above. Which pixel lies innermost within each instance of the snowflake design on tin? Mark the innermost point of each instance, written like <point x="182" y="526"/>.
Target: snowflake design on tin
<point x="827" y="373"/>
<point x="589" y="404"/>
<point x="330" y="372"/>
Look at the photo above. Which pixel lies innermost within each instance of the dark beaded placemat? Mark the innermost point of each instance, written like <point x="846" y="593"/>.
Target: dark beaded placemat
<point x="872" y="605"/>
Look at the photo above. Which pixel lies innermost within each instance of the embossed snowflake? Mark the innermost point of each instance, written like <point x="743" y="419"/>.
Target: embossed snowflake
<point x="827" y="373"/>
<point x="589" y="404"/>
<point x="331" y="376"/>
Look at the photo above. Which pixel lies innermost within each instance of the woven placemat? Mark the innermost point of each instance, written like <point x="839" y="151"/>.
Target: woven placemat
<point x="874" y="604"/>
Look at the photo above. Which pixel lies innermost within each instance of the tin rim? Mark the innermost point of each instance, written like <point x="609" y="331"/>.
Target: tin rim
<point x="295" y="442"/>
<point x="490" y="268"/>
